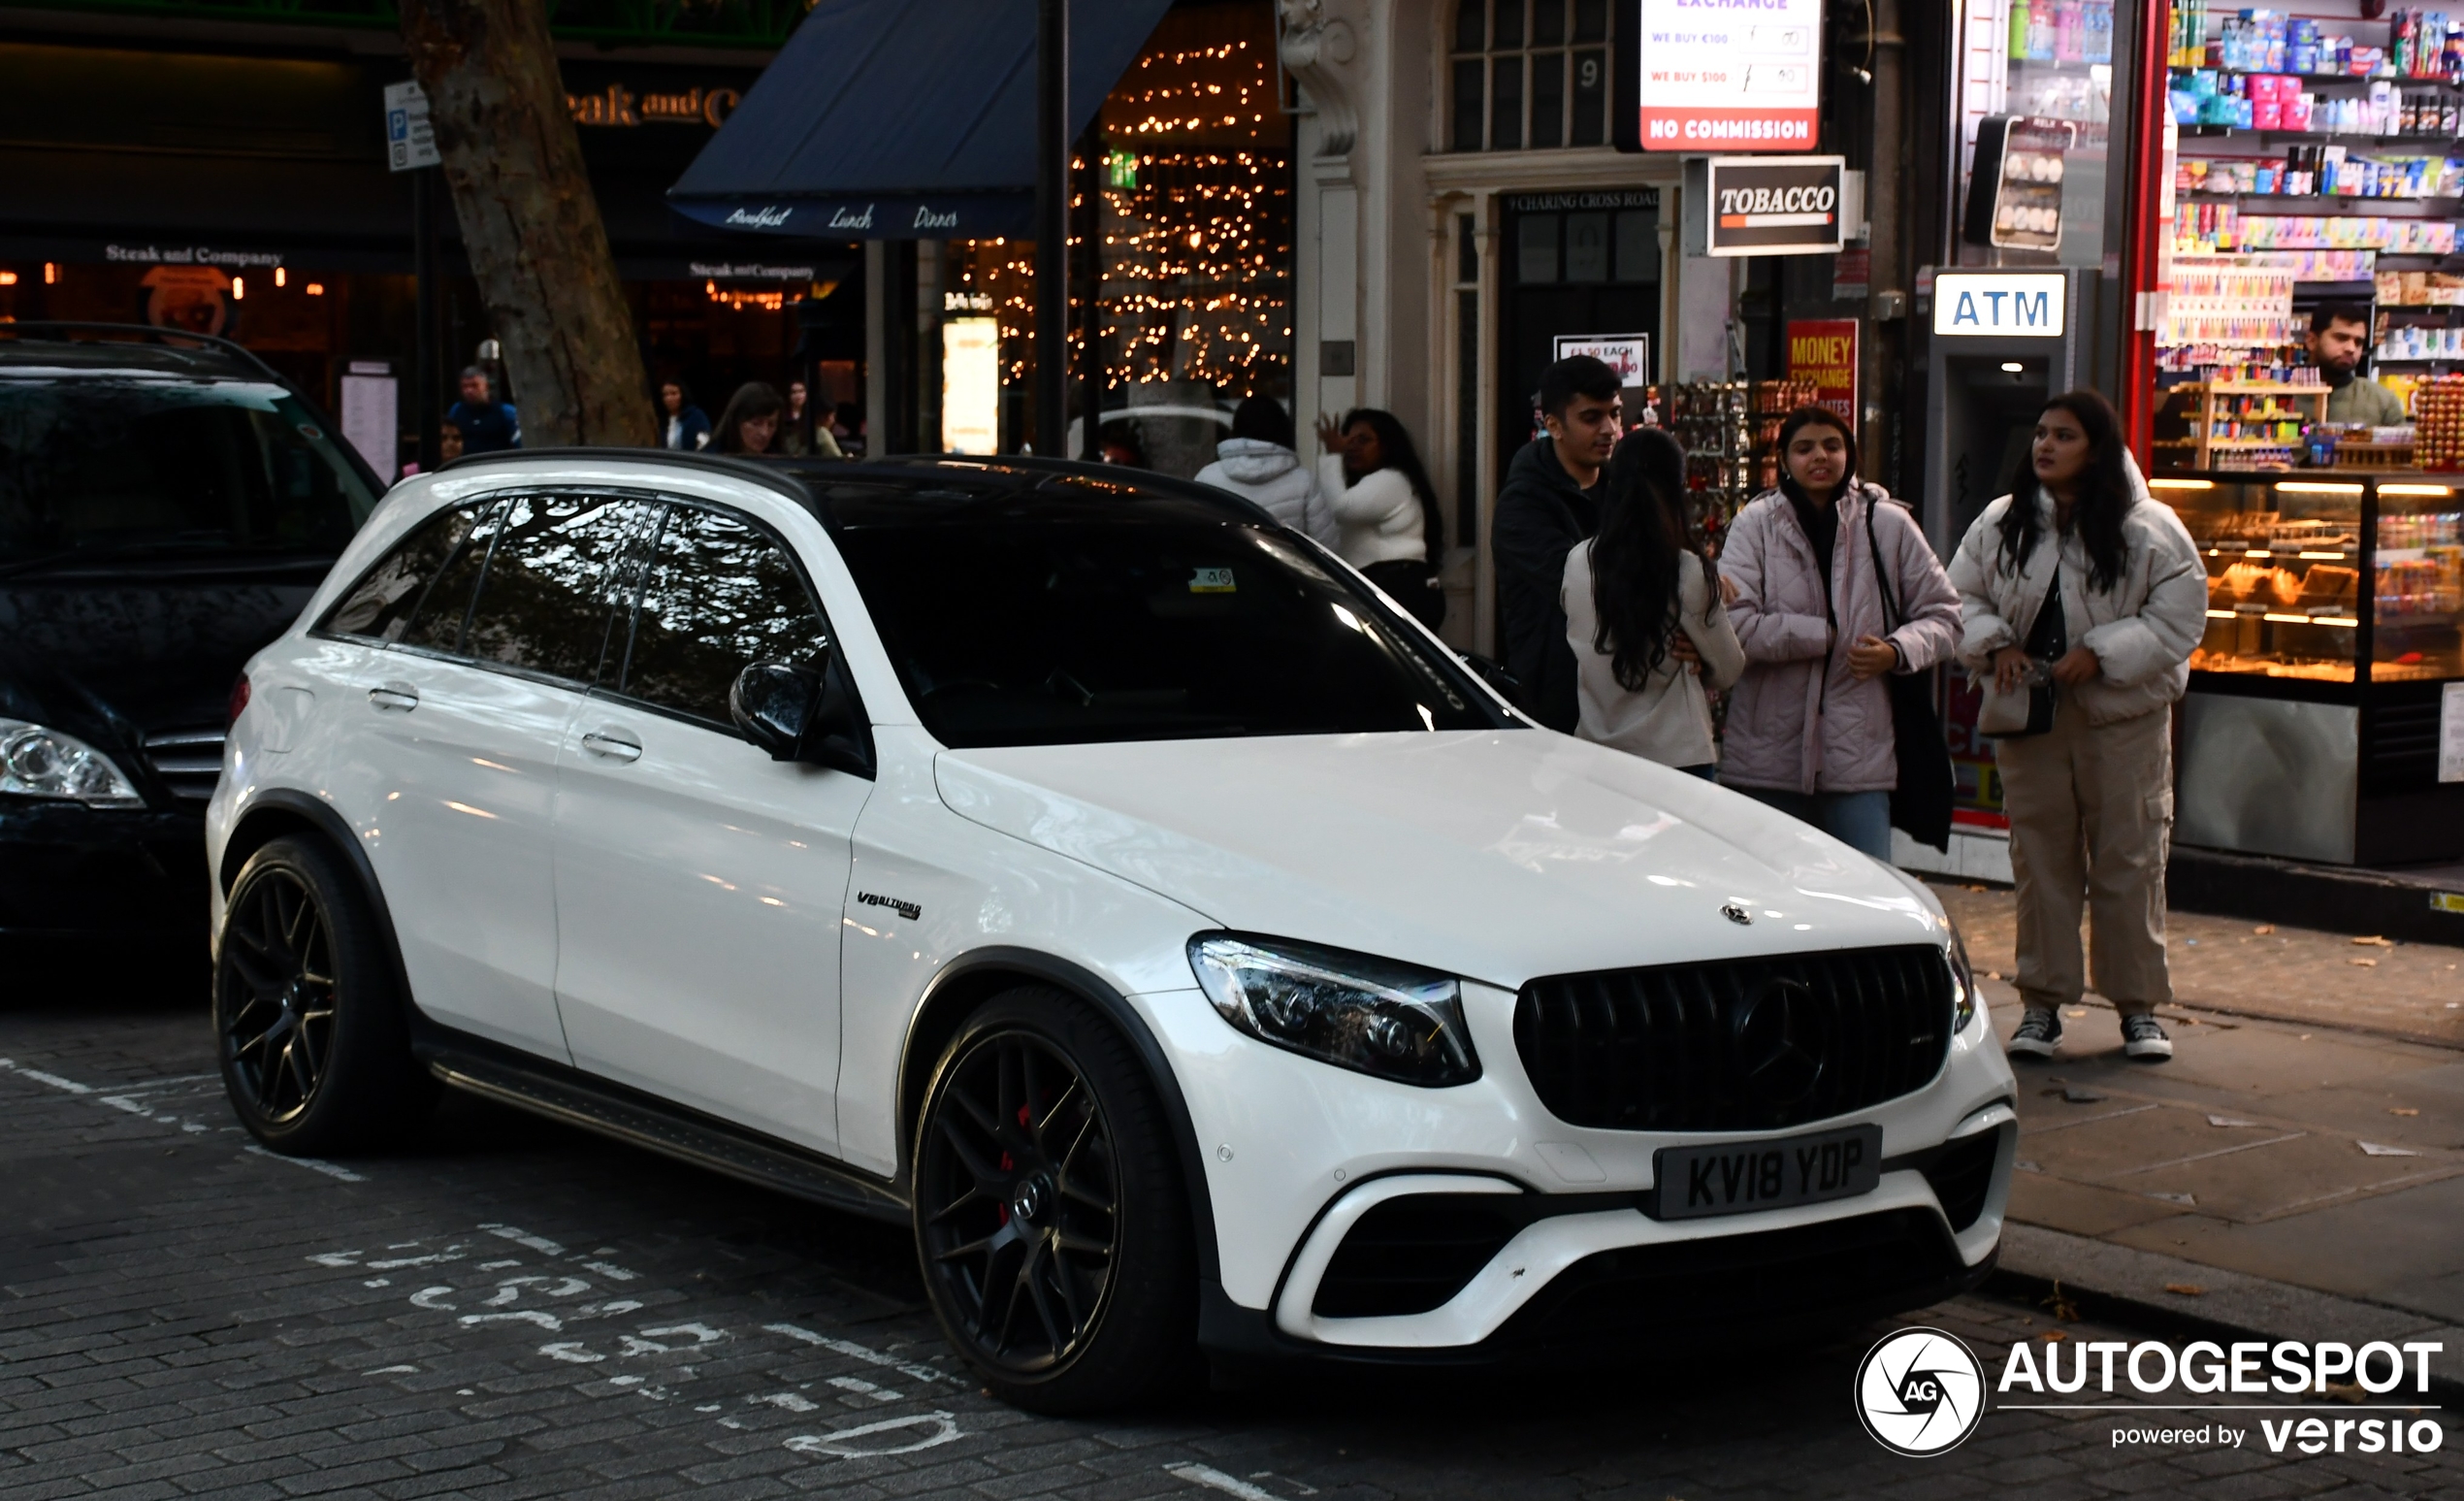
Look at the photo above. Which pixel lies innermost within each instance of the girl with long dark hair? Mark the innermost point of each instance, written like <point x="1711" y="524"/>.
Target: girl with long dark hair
<point x="2078" y="577"/>
<point x="1386" y="509"/>
<point x="749" y="424"/>
<point x="1644" y="617"/>
<point x="1810" y="727"/>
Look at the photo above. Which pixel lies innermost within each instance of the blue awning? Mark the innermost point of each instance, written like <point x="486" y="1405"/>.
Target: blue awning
<point x="903" y="119"/>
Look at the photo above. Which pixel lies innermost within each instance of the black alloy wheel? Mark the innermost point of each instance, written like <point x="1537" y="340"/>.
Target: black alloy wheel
<point x="1049" y="1215"/>
<point x="277" y="1023"/>
<point x="309" y="1023"/>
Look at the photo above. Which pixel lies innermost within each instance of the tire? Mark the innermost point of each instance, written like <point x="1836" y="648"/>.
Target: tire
<point x="308" y="1024"/>
<point x="1096" y="1308"/>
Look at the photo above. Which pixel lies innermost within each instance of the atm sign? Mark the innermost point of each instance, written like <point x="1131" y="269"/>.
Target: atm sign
<point x="2028" y="305"/>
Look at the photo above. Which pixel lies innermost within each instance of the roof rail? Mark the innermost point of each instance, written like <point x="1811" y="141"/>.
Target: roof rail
<point x="215" y="342"/>
<point x="777" y="478"/>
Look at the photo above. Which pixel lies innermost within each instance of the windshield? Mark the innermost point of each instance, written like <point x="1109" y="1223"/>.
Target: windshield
<point x="133" y="465"/>
<point x="1008" y="631"/>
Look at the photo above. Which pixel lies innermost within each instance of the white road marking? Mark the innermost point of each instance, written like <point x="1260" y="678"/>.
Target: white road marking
<point x="538" y="1243"/>
<point x="572" y="1352"/>
<point x="1230" y="1485"/>
<point x="789" y="1401"/>
<point x="614" y="1273"/>
<point x="850" y="1348"/>
<point x="841" y="1442"/>
<point x="11" y="1065"/>
<point x="548" y="1322"/>
<point x="312" y="1165"/>
<point x="394" y="1370"/>
<point x="866" y="1389"/>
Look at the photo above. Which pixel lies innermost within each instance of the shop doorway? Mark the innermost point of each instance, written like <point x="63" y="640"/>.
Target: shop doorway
<point x="1574" y="264"/>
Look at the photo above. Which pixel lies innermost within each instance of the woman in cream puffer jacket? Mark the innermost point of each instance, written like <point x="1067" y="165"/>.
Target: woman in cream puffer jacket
<point x="2102" y="583"/>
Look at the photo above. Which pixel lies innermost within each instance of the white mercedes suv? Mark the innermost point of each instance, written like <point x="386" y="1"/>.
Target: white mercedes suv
<point x="1111" y="885"/>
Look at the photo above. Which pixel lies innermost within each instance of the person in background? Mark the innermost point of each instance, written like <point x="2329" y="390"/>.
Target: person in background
<point x="790" y="441"/>
<point x="1643" y="616"/>
<point x="448" y="444"/>
<point x="1548" y="506"/>
<point x="1257" y="463"/>
<point x="2339" y="336"/>
<point x="1385" y="511"/>
<point x="750" y="423"/>
<point x="2078" y="566"/>
<point x="486" y="425"/>
<point x="1809" y="726"/>
<point x="683" y="426"/>
<point x="1120" y="446"/>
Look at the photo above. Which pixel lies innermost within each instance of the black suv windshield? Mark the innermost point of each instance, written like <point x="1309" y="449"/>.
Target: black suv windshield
<point x="1044" y="619"/>
<point x="132" y="466"/>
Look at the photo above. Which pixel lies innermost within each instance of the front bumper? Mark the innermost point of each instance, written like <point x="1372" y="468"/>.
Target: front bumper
<point x="1534" y="1235"/>
<point x="71" y="871"/>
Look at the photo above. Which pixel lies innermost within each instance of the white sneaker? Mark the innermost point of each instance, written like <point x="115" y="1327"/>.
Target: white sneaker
<point x="2144" y="1039"/>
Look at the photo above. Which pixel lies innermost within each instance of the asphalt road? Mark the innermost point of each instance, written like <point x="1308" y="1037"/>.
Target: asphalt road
<point x="515" y="1309"/>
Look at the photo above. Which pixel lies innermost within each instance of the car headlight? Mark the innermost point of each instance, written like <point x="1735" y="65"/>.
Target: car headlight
<point x="36" y="762"/>
<point x="1962" y="979"/>
<point x="1351" y="1010"/>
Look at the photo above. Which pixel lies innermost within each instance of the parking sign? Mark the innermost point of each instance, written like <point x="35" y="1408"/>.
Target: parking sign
<point x="409" y="141"/>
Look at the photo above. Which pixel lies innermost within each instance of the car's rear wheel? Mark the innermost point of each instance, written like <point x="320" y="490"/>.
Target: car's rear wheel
<point x="1049" y="1215"/>
<point x="308" y="1021"/>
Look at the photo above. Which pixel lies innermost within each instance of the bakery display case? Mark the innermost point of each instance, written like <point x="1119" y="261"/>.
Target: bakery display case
<point x="2319" y="690"/>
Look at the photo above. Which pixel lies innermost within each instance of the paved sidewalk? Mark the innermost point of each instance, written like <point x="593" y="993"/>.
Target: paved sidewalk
<point x="2309" y="1130"/>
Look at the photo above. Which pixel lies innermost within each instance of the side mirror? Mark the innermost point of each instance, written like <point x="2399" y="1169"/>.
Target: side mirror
<point x="802" y="712"/>
<point x="774" y="703"/>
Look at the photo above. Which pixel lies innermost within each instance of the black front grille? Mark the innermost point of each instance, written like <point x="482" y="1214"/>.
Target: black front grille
<point x="1411" y="1254"/>
<point x="1742" y="1045"/>
<point x="1732" y="1285"/>
<point x="187" y="761"/>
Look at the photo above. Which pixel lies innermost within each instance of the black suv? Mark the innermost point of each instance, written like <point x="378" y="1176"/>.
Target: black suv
<point x="168" y="504"/>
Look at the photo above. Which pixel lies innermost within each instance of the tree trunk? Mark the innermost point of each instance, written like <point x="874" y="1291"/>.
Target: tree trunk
<point x="529" y="220"/>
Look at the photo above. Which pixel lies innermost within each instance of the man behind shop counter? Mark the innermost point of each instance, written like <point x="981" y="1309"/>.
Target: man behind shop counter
<point x="487" y="425"/>
<point x="2338" y="334"/>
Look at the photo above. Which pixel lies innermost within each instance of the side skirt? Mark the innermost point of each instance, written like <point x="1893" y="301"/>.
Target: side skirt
<point x="744" y="1155"/>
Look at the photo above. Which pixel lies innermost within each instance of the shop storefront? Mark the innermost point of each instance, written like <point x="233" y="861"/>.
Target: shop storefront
<point x="2205" y="186"/>
<point x="235" y="183"/>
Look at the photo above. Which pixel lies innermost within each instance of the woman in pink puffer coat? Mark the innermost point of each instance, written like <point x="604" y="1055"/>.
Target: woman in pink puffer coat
<point x="1809" y="726"/>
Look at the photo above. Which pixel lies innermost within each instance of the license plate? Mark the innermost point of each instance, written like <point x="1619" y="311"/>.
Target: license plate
<point x="1735" y="1178"/>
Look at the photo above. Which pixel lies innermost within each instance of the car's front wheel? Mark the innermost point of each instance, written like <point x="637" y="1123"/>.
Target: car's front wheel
<point x="1049" y="1215"/>
<point x="308" y="1020"/>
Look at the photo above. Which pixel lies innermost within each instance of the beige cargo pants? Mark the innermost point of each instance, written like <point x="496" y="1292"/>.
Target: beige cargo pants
<point x="2091" y="814"/>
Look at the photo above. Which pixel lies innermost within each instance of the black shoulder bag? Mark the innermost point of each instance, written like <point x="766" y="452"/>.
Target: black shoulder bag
<point x="1921" y="803"/>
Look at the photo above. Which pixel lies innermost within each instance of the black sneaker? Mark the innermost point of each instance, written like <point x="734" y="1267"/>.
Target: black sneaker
<point x="2039" y="1033"/>
<point x="2144" y="1039"/>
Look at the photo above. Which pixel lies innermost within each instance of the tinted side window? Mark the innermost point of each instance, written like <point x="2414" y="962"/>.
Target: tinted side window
<point x="388" y="599"/>
<point x="548" y="597"/>
<point x="720" y="595"/>
<point x="437" y="623"/>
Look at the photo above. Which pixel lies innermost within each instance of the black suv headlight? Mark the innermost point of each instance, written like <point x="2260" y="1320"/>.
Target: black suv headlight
<point x="1963" y="999"/>
<point x="37" y="761"/>
<point x="1351" y="1010"/>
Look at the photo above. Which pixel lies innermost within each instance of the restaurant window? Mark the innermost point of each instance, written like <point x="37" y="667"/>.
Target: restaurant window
<point x="1530" y="74"/>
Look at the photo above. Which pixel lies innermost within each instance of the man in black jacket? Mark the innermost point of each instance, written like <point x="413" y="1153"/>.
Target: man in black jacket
<point x="1549" y="504"/>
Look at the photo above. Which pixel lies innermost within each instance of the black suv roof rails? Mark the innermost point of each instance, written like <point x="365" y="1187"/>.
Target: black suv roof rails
<point x="213" y="341"/>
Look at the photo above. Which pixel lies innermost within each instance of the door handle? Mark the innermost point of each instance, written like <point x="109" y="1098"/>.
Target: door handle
<point x="612" y="743"/>
<point x="394" y="696"/>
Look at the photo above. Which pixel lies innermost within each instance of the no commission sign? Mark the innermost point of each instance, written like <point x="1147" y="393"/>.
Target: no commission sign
<point x="1718" y="75"/>
<point x="1766" y="204"/>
